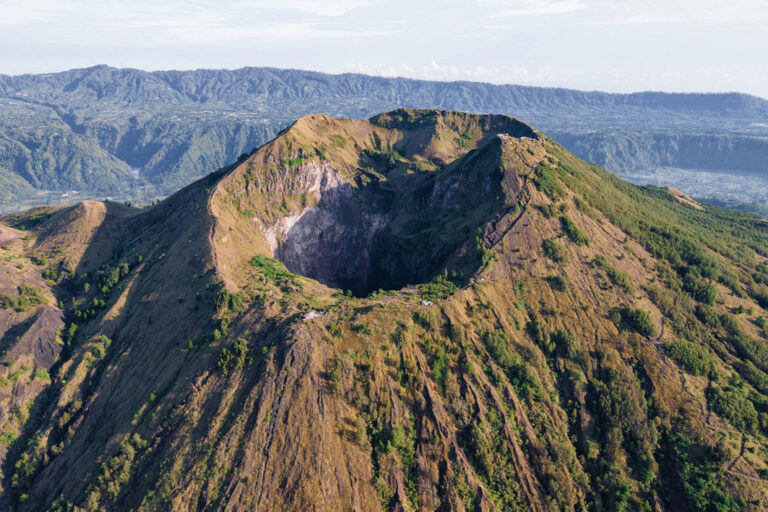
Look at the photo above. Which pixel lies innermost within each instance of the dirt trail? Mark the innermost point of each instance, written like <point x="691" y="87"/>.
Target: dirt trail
<point x="728" y="466"/>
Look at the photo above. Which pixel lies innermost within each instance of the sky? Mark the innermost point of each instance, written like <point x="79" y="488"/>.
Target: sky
<point x="610" y="45"/>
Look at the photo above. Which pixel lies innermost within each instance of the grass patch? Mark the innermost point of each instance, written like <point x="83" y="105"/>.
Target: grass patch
<point x="576" y="235"/>
<point x="553" y="250"/>
<point x="546" y="181"/>
<point x="273" y="270"/>
<point x="28" y="297"/>
<point x="617" y="277"/>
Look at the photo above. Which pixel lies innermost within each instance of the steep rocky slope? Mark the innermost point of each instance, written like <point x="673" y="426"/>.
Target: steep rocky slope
<point x="426" y="310"/>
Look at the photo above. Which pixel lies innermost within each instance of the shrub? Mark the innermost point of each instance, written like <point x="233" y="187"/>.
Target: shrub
<point x="576" y="235"/>
<point x="540" y="335"/>
<point x="754" y="375"/>
<point x="233" y="358"/>
<point x="361" y="328"/>
<point x="50" y="275"/>
<point x="567" y="346"/>
<point x="442" y="287"/>
<point x="498" y="347"/>
<point x="547" y="210"/>
<point x="762" y="323"/>
<point x="518" y="373"/>
<point x="697" y="467"/>
<point x="733" y="404"/>
<point x="553" y="250"/>
<point x="229" y="301"/>
<point x="557" y="282"/>
<point x="39" y="259"/>
<point x="707" y="315"/>
<point x="638" y="320"/>
<point x="691" y="357"/>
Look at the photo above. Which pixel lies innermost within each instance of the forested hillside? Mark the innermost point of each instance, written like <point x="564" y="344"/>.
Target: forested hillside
<point x="135" y="135"/>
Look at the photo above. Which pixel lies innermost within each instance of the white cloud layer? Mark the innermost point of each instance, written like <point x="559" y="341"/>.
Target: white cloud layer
<point x="450" y="73"/>
<point x="595" y="44"/>
<point x="535" y="7"/>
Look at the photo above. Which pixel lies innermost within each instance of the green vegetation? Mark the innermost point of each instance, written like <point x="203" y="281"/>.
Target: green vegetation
<point x="7" y="435"/>
<point x="492" y="457"/>
<point x="553" y="250"/>
<point x="576" y="235"/>
<point x="441" y="287"/>
<point x="115" y="474"/>
<point x="638" y="320"/>
<point x="387" y="158"/>
<point x="557" y="282"/>
<point x="27" y="298"/>
<point x="518" y="373"/>
<point x="273" y="270"/>
<point x="691" y="357"/>
<point x="50" y="275"/>
<point x="293" y="162"/>
<point x="233" y="358"/>
<point x="617" y="277"/>
<point x="620" y="405"/>
<point x="463" y="140"/>
<point x="697" y="468"/>
<point x="108" y="276"/>
<point x="228" y="301"/>
<point x="732" y="403"/>
<point x="545" y="179"/>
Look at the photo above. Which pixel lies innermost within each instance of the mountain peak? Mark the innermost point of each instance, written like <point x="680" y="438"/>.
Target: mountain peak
<point x="378" y="182"/>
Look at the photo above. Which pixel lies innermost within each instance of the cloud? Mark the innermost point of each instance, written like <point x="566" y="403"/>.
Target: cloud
<point x="534" y="7"/>
<point x="144" y="23"/>
<point x="681" y="12"/>
<point x="450" y="73"/>
<point x="319" y="7"/>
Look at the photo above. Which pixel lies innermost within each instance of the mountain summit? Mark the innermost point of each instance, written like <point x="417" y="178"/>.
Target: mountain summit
<point x="425" y="310"/>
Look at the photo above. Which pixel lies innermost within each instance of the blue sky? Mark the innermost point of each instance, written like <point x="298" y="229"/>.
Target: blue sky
<point x="613" y="45"/>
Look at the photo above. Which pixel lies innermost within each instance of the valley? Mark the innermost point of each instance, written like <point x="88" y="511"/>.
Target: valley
<point x="89" y="129"/>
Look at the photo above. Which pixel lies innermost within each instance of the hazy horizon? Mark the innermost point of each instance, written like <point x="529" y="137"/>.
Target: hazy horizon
<point x="339" y="73"/>
<point x="603" y="45"/>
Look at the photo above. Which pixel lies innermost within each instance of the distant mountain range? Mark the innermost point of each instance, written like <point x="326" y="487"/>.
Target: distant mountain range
<point x="129" y="133"/>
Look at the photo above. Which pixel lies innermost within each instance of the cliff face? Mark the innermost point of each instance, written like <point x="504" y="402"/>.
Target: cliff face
<point x="523" y="331"/>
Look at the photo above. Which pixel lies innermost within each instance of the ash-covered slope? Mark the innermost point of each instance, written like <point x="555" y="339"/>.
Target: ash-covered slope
<point x="426" y="310"/>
